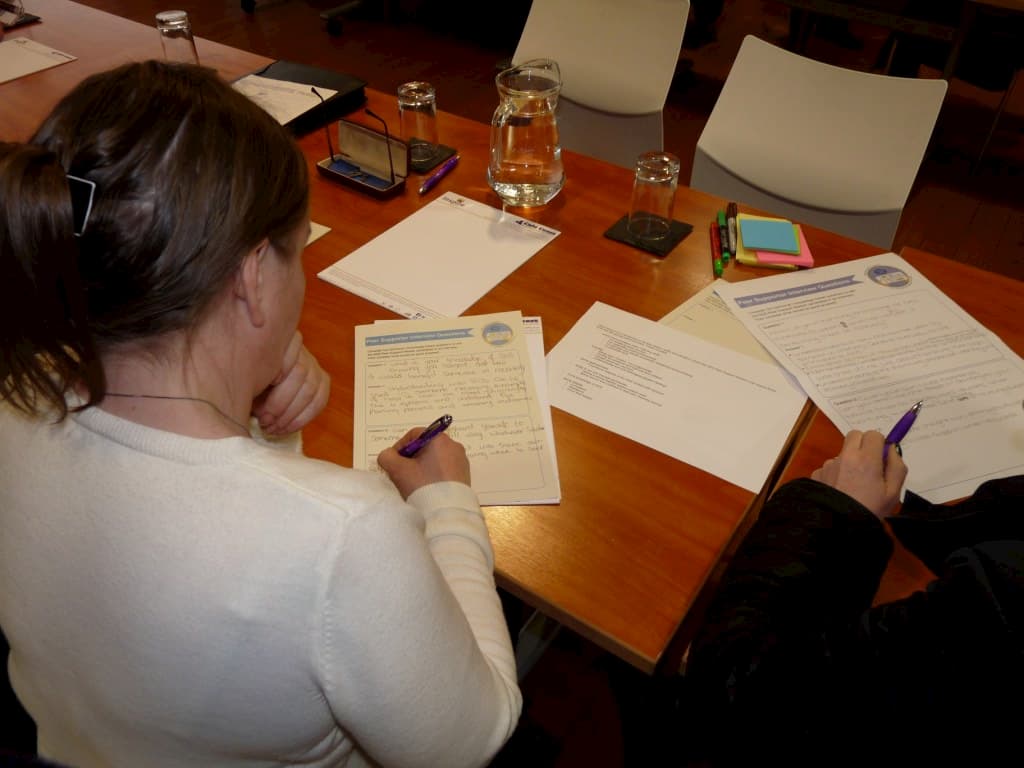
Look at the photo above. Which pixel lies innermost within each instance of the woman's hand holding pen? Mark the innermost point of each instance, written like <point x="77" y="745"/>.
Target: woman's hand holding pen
<point x="860" y="472"/>
<point x="441" y="459"/>
<point x="297" y="395"/>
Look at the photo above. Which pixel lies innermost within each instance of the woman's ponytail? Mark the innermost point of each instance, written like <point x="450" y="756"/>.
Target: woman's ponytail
<point x="45" y="343"/>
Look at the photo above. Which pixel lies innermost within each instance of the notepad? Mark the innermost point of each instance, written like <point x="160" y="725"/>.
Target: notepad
<point x="763" y="234"/>
<point x="441" y="259"/>
<point x="774" y="259"/>
<point x="20" y="56"/>
<point x="283" y="88"/>
<point x="802" y="259"/>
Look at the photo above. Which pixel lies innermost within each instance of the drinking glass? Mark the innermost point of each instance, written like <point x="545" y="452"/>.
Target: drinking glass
<point x="417" y="112"/>
<point x="176" y="37"/>
<point x="654" y="193"/>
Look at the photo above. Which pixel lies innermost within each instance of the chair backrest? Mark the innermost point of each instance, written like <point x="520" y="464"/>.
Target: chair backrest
<point x="617" y="60"/>
<point x="833" y="147"/>
<point x="614" y="56"/>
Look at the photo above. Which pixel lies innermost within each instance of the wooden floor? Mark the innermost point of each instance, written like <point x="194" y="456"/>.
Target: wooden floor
<point x="582" y="707"/>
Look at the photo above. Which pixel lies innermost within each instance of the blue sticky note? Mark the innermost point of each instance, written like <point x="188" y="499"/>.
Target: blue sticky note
<point x="762" y="235"/>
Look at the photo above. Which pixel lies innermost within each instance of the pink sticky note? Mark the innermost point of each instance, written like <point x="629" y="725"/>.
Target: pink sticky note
<point x="802" y="259"/>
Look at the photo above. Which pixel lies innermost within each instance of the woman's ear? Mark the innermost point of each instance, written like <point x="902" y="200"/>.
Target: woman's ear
<point x="249" y="284"/>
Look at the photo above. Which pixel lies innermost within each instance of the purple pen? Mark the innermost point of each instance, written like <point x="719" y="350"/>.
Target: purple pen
<point x="440" y="173"/>
<point x="897" y="433"/>
<point x="411" y="448"/>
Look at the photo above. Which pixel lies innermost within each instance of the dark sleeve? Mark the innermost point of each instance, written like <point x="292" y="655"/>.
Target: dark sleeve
<point x="792" y="662"/>
<point x="995" y="511"/>
<point x="780" y="633"/>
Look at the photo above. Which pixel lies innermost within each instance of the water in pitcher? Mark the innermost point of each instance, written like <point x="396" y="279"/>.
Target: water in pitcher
<point x="525" y="167"/>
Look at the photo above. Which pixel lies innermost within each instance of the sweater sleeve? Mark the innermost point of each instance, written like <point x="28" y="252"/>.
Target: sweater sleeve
<point x="776" y="640"/>
<point x="794" y="664"/>
<point x="417" y="661"/>
<point x="814" y="558"/>
<point x="934" y="531"/>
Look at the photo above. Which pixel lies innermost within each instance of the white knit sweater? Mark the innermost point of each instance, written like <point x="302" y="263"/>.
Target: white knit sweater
<point x="171" y="601"/>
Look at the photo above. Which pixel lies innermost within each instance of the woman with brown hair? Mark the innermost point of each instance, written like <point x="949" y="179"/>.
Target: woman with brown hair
<point x="181" y="586"/>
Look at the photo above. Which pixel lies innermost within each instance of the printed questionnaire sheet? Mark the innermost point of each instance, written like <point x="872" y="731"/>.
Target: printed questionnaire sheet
<point x="869" y="338"/>
<point x="441" y="259"/>
<point x="477" y="369"/>
<point x="717" y="409"/>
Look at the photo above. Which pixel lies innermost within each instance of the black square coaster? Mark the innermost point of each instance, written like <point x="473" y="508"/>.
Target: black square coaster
<point x="422" y="166"/>
<point x="676" y="233"/>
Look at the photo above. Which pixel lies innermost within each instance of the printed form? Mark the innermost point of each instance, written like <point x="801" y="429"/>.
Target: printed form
<point x="720" y="410"/>
<point x="869" y="338"/>
<point x="479" y="370"/>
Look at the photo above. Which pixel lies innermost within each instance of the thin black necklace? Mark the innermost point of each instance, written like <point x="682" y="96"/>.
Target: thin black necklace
<point x="241" y="426"/>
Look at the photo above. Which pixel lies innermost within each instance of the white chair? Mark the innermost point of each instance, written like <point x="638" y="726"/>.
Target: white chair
<point x="835" y="148"/>
<point x="617" y="60"/>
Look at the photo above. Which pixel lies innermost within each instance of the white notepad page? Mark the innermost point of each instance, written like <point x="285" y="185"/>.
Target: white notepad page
<point x="440" y="260"/>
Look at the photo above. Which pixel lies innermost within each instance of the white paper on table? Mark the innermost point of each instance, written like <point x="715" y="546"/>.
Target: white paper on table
<point x="20" y="56"/>
<point x="441" y="259"/>
<point x="479" y="370"/>
<point x="707" y="317"/>
<point x="868" y="338"/>
<point x="717" y="409"/>
<point x="284" y="100"/>
<point x="533" y="330"/>
<point x="316" y="231"/>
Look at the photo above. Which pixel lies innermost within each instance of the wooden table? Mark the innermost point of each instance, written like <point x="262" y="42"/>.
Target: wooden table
<point x="623" y="559"/>
<point x="994" y="301"/>
<point x="101" y="41"/>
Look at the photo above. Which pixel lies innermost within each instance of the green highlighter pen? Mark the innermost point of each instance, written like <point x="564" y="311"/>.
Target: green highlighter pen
<point x="723" y="235"/>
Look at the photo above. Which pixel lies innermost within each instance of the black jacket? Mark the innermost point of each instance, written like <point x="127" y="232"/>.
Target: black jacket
<point x="794" y="667"/>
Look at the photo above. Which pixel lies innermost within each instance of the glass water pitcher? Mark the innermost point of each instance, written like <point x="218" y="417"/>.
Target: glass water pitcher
<point x="525" y="167"/>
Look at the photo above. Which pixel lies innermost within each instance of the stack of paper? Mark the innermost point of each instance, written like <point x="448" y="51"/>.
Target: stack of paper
<point x="727" y="412"/>
<point x="487" y="372"/>
<point x="764" y="241"/>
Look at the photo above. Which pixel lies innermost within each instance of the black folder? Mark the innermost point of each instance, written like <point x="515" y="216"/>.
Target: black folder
<point x="349" y="97"/>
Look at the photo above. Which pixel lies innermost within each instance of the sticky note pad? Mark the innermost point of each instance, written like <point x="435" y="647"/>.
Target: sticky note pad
<point x="774" y="258"/>
<point x="769" y="235"/>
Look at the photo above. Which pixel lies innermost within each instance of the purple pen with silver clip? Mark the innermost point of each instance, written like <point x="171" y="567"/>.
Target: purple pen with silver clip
<point x="901" y="429"/>
<point x="411" y="448"/>
<point x="440" y="173"/>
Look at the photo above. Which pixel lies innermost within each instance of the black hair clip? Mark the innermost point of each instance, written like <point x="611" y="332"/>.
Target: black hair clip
<point x="82" y="192"/>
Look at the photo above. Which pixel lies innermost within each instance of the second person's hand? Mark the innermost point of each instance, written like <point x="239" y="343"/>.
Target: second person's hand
<point x="860" y="472"/>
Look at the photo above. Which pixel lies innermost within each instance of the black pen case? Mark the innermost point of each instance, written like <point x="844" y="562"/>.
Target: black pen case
<point x="367" y="160"/>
